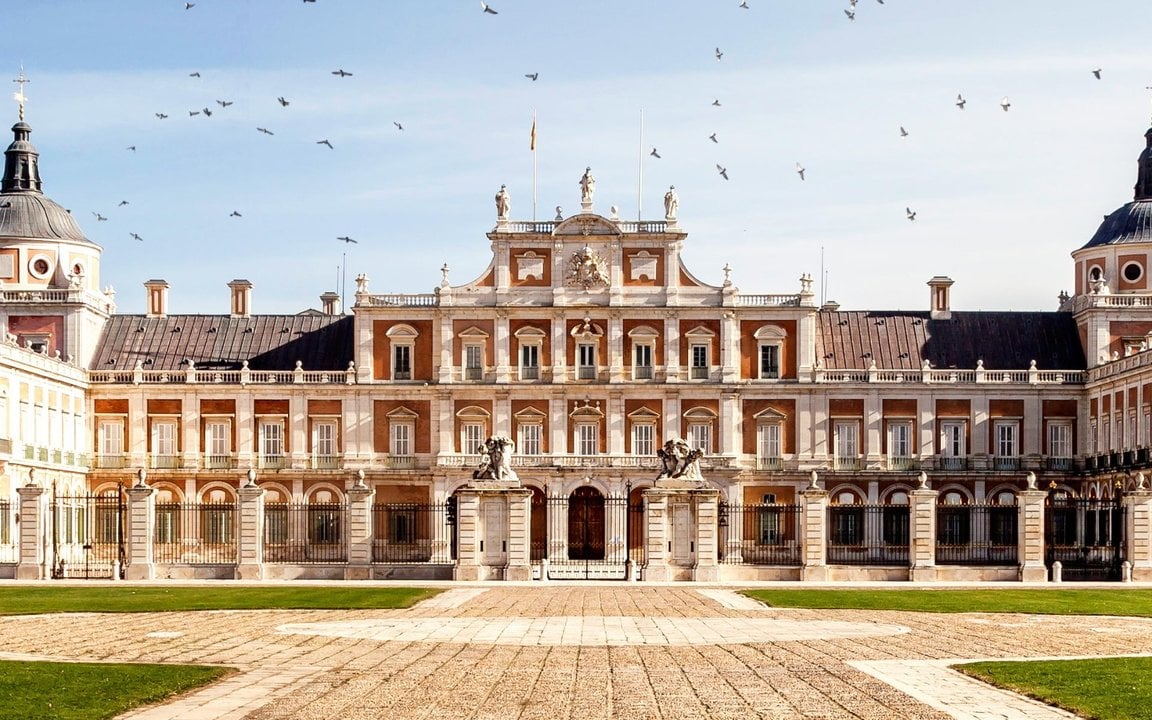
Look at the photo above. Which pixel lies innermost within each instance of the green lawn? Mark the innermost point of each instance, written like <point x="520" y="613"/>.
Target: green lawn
<point x="1104" y="688"/>
<point x="168" y="598"/>
<point x="1125" y="602"/>
<point x="91" y="691"/>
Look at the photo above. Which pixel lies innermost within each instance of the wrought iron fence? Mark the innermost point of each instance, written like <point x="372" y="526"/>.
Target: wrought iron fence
<point x="195" y="533"/>
<point x="1085" y="535"/>
<point x="305" y="533"/>
<point x="760" y="534"/>
<point x="590" y="536"/>
<point x="868" y="534"/>
<point x="976" y="534"/>
<point x="411" y="533"/>
<point x="88" y="535"/>
<point x="8" y="547"/>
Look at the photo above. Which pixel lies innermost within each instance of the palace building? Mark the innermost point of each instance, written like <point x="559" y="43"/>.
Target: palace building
<point x="521" y="425"/>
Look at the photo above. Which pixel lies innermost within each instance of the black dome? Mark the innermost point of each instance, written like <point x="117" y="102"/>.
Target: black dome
<point x="1130" y="224"/>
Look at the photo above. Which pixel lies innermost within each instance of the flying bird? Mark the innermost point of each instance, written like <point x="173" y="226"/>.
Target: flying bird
<point x="162" y="116"/>
<point x="122" y="203"/>
<point x="342" y="73"/>
<point x="235" y="214"/>
<point x="910" y="214"/>
<point x="207" y="112"/>
<point x="193" y="112"/>
<point x="532" y="76"/>
<point x="850" y="13"/>
<point x="960" y="101"/>
<point x="282" y="101"/>
<point x="719" y="55"/>
<point x="224" y="103"/>
<point x="1005" y="104"/>
<point x="131" y="147"/>
<point x="800" y="170"/>
<point x="193" y="74"/>
<point x="189" y="6"/>
<point x="398" y="125"/>
<point x="712" y="137"/>
<point x="136" y="237"/>
<point x="903" y="132"/>
<point x="723" y="171"/>
<point x="1096" y="72"/>
<point x="716" y="102"/>
<point x="485" y="8"/>
<point x="266" y="131"/>
<point x="99" y="217"/>
<point x="347" y="239"/>
<point x="325" y="142"/>
<point x="744" y="4"/>
<point x="655" y="154"/>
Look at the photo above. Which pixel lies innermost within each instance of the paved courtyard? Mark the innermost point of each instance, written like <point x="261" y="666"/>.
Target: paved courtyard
<point x="562" y="651"/>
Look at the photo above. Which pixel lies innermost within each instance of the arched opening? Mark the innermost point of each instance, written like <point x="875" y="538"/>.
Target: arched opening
<point x="637" y="527"/>
<point x="539" y="524"/>
<point x="586" y="524"/>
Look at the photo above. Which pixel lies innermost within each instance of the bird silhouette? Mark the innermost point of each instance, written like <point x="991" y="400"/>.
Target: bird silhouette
<point x="903" y="132"/>
<point x="716" y="102"/>
<point x="131" y="147"/>
<point x="800" y="170"/>
<point x="1096" y="72"/>
<point x="266" y="131"/>
<point x="850" y="13"/>
<point x="189" y="6"/>
<point x="162" y="116"/>
<point x="99" y="217"/>
<point x="744" y="4"/>
<point x="712" y="137"/>
<point x="282" y="101"/>
<point x="207" y="112"/>
<point x="655" y="154"/>
<point x="398" y="125"/>
<point x="136" y="237"/>
<point x="193" y="74"/>
<point x="346" y="239"/>
<point x="719" y="55"/>
<point x="960" y="101"/>
<point x="485" y="8"/>
<point x="235" y="214"/>
<point x="532" y="76"/>
<point x="122" y="203"/>
<point x="224" y="103"/>
<point x="342" y="73"/>
<point x="325" y="142"/>
<point x="1005" y="104"/>
<point x="910" y="214"/>
<point x="193" y="112"/>
<point x="723" y="171"/>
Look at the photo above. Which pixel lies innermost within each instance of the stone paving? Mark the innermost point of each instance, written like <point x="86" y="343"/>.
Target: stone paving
<point x="578" y="651"/>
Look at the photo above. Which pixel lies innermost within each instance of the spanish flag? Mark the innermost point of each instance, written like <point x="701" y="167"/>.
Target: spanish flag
<point x="532" y="144"/>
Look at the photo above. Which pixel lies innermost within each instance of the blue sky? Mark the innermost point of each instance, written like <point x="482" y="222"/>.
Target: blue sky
<point x="1001" y="198"/>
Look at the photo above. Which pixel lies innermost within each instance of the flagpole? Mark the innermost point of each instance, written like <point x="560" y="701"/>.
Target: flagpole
<point x="640" y="173"/>
<point x="533" y="166"/>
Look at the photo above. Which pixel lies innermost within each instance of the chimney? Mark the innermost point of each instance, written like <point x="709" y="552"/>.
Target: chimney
<point x="331" y="303"/>
<point x="241" y="298"/>
<point x="157" y="298"/>
<point x="941" y="309"/>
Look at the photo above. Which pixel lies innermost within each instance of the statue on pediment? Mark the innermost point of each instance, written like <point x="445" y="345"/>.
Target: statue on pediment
<point x="503" y="203"/>
<point x="671" y="203"/>
<point x="587" y="186"/>
<point x="679" y="461"/>
<point x="496" y="460"/>
<point x="587" y="269"/>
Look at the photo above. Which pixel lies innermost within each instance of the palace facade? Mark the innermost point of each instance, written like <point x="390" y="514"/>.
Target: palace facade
<point x="830" y="444"/>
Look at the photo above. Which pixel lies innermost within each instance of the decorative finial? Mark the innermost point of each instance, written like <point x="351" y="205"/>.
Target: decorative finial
<point x="812" y="480"/>
<point x="141" y="478"/>
<point x="19" y="96"/>
<point x="251" y="478"/>
<point x="1141" y="481"/>
<point x="1031" y="480"/>
<point x="923" y="480"/>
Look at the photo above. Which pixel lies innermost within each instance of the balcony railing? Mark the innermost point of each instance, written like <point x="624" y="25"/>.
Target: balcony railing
<point x="1005" y="463"/>
<point x="769" y="463"/>
<point x="473" y="373"/>
<point x="402" y="375"/>
<point x="529" y="372"/>
<point x="218" y="462"/>
<point x="901" y="462"/>
<point x="642" y="372"/>
<point x="1058" y="463"/>
<point x="327" y="462"/>
<point x="850" y="462"/>
<point x="952" y="462"/>
<point x="586" y="372"/>
<point x="273" y="462"/>
<point x="164" y="462"/>
<point x="111" y="461"/>
<point x="697" y="372"/>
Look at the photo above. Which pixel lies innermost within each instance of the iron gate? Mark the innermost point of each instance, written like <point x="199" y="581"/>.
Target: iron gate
<point x="596" y="543"/>
<point x="88" y="535"/>
<point x="1085" y="535"/>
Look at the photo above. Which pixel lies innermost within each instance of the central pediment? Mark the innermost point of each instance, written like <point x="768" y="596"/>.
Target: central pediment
<point x="587" y="224"/>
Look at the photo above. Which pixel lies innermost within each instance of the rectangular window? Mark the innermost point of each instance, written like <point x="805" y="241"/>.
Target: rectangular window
<point x="700" y="437"/>
<point x="529" y="362"/>
<point x="1005" y="436"/>
<point x="698" y="357"/>
<point x="218" y="443"/>
<point x="952" y="439"/>
<point x="271" y="443"/>
<point x="643" y="439"/>
<point x="586" y="361"/>
<point x="111" y="444"/>
<point x="587" y="440"/>
<point x="769" y="362"/>
<point x="642" y="362"/>
<point x="471" y="438"/>
<point x="768" y="442"/>
<point x="164" y="443"/>
<point x="324" y="439"/>
<point x="473" y="362"/>
<point x="402" y="362"/>
<point x="900" y="440"/>
<point x="1060" y="439"/>
<point x="847" y="440"/>
<point x="530" y="439"/>
<point x="401" y="439"/>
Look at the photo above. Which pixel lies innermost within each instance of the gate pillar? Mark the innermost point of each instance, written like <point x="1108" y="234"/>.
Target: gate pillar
<point x="1030" y="535"/>
<point x="251" y="542"/>
<point x="682" y="534"/>
<point x="141" y="526"/>
<point x="494" y="533"/>
<point x="923" y="531"/>
<point x="360" y="531"/>
<point x="814" y="533"/>
<point x="659" y="546"/>
<point x="1138" y="532"/>
<point x="33" y="534"/>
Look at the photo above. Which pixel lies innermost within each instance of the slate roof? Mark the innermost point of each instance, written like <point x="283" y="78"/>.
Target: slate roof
<point x="1130" y="224"/>
<point x="26" y="215"/>
<point x="903" y="340"/>
<point x="221" y="342"/>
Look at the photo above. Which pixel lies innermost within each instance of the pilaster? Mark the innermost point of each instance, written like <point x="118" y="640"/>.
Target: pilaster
<point x="707" y="518"/>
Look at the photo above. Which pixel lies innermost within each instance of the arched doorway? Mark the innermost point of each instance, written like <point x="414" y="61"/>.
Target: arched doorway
<point x="586" y="524"/>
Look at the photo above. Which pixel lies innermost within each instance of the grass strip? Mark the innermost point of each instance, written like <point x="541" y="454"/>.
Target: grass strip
<point x="1123" y="602"/>
<point x="170" y="598"/>
<point x="1101" y="688"/>
<point x="92" y="691"/>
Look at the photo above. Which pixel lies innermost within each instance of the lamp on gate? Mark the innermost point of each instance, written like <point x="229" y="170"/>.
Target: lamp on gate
<point x="251" y="478"/>
<point x="141" y="477"/>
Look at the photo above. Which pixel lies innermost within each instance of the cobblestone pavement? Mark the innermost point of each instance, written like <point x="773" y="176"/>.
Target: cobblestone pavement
<point x="563" y="651"/>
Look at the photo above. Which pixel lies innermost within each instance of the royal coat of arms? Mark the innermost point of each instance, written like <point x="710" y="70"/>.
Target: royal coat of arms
<point x="587" y="270"/>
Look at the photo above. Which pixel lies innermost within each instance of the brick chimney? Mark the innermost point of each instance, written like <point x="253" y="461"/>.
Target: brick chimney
<point x="241" y="298"/>
<point x="157" y="298"/>
<point x="941" y="308"/>
<point x="331" y="303"/>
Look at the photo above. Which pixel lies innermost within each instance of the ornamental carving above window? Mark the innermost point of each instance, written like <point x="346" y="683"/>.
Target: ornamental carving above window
<point x="588" y="270"/>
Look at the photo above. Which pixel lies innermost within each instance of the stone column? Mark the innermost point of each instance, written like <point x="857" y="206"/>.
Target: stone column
<point x="707" y="518"/>
<point x="1138" y="533"/>
<point x="519" y="534"/>
<point x="814" y="533"/>
<point x="922" y="524"/>
<point x="672" y="348"/>
<point x="360" y="530"/>
<point x="250" y="563"/>
<point x="141" y="531"/>
<point x="467" y="535"/>
<point x="656" y="513"/>
<point x="1030" y="535"/>
<point x="33" y="534"/>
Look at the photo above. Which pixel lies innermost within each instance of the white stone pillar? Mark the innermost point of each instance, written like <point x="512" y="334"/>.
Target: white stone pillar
<point x="467" y="535"/>
<point x="33" y="534"/>
<point x="360" y="531"/>
<point x="656" y="521"/>
<point x="446" y="371"/>
<point x="619" y="367"/>
<point x="1030" y="535"/>
<point x="873" y="427"/>
<point x="251" y="536"/>
<point x="297" y="430"/>
<point x="922" y="527"/>
<point x="707" y="517"/>
<point x="814" y="534"/>
<point x="729" y="348"/>
<point x="141" y="526"/>
<point x="503" y="348"/>
<point x="981" y="427"/>
<point x="245" y="431"/>
<point x="559" y="348"/>
<point x="731" y="425"/>
<point x="1138" y="533"/>
<point x="519" y="534"/>
<point x="672" y="371"/>
<point x="1032" y="426"/>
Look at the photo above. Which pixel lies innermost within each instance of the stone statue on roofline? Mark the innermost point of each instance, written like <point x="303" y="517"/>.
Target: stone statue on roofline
<point x="587" y="187"/>
<point x="496" y="460"/>
<point x="680" y="462"/>
<point x="503" y="203"/>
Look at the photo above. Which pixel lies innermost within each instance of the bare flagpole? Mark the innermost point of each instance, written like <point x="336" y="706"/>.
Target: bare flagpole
<point x="532" y="147"/>
<point x="640" y="173"/>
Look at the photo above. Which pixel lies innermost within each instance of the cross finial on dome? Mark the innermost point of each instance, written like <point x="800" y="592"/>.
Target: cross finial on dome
<point x="19" y="96"/>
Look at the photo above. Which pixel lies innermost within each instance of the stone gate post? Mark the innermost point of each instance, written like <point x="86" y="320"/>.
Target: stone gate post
<point x="33" y="535"/>
<point x="141" y="530"/>
<point x="250" y="544"/>
<point x="922" y="524"/>
<point x="360" y="530"/>
<point x="814" y="532"/>
<point x="1138" y="531"/>
<point x="1030" y="532"/>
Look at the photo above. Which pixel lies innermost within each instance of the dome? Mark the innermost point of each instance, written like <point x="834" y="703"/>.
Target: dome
<point x="31" y="216"/>
<point x="1130" y="224"/>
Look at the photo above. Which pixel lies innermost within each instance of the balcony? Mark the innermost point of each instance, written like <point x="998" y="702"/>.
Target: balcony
<point x="530" y="372"/>
<point x="218" y="462"/>
<point x="1004" y="462"/>
<point x="901" y="462"/>
<point x="402" y="375"/>
<point x="698" y="373"/>
<point x="952" y="462"/>
<point x="642" y="372"/>
<point x="110" y="461"/>
<point x="164" y="462"/>
<point x="326" y="462"/>
<point x="851" y="462"/>
<point x="769" y="463"/>
<point x="1058" y="463"/>
<point x="586" y="372"/>
<point x="273" y="462"/>
<point x="473" y="373"/>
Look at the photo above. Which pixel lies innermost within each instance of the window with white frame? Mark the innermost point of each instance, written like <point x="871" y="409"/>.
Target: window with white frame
<point x="1006" y="435"/>
<point x="1118" y="438"/>
<point x="529" y="440"/>
<point x="163" y="443"/>
<point x="471" y="437"/>
<point x="768" y="441"/>
<point x="953" y="438"/>
<point x="400" y="438"/>
<point x="642" y="354"/>
<point x="529" y="361"/>
<point x="271" y="442"/>
<point x="218" y="443"/>
<point x="586" y="361"/>
<point x="698" y="368"/>
<point x="643" y="438"/>
<point x="1060" y="439"/>
<point x="588" y="439"/>
<point x="1147" y="428"/>
<point x="900" y="439"/>
<point x="324" y="439"/>
<point x="111" y="442"/>
<point x="769" y="351"/>
<point x="473" y="362"/>
<point x="1131" y="429"/>
<point x="402" y="362"/>
<point x="1106" y="440"/>
<point x="846" y="436"/>
<point x="700" y="437"/>
<point x="1093" y="429"/>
